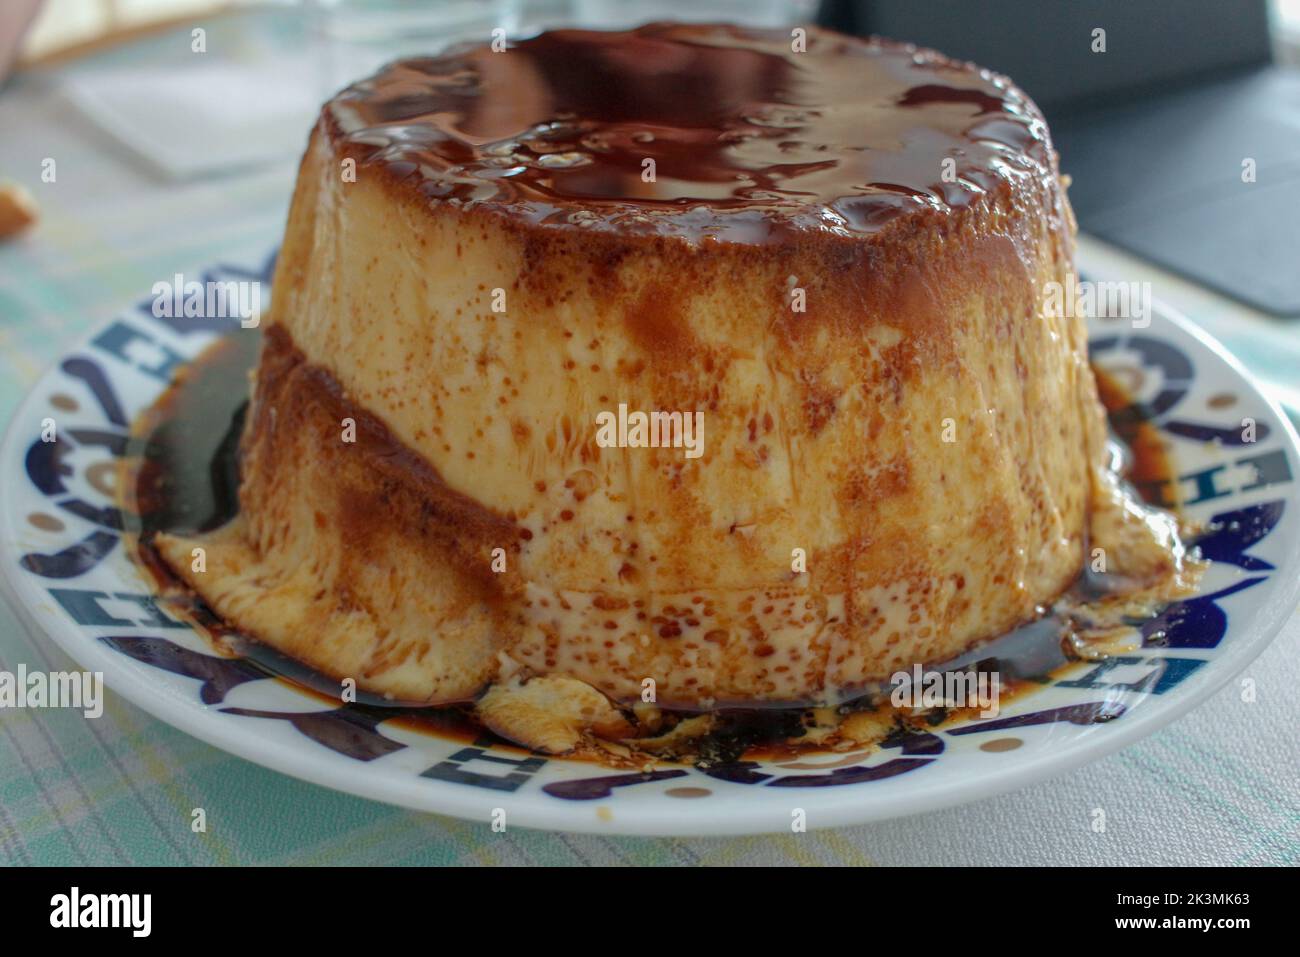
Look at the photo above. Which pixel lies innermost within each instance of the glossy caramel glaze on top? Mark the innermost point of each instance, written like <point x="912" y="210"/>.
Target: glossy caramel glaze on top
<point x="750" y="140"/>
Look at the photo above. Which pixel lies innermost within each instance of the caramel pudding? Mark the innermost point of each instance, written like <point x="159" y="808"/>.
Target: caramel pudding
<point x="833" y="258"/>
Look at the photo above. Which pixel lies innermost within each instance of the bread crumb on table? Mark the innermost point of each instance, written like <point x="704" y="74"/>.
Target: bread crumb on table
<point x="17" y="210"/>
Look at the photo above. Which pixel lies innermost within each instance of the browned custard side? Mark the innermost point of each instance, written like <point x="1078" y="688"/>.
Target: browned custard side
<point x="182" y="479"/>
<point x="477" y="267"/>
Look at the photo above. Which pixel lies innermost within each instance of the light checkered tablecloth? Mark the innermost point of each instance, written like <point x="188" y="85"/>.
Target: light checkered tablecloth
<point x="1219" y="786"/>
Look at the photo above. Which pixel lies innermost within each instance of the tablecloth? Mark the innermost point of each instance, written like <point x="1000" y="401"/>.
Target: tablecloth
<point x="1220" y="786"/>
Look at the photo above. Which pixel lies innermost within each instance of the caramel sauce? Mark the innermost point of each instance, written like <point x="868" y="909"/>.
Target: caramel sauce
<point x="1147" y="464"/>
<point x="750" y="139"/>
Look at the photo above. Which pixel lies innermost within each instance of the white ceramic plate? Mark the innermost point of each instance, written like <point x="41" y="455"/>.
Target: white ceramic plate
<point x="68" y="575"/>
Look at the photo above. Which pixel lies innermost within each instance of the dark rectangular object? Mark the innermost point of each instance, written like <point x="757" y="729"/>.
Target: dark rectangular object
<point x="1155" y="130"/>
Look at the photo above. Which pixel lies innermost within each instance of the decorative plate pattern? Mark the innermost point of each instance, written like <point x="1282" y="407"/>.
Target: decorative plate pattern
<point x="68" y="574"/>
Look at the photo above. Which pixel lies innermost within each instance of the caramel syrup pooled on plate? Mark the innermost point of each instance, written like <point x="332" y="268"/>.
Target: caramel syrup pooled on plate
<point x="182" y="476"/>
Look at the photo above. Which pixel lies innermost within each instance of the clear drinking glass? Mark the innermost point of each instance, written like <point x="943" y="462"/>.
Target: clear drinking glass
<point x="355" y="37"/>
<point x="612" y="14"/>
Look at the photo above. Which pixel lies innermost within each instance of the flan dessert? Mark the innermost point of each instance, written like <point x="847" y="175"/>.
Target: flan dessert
<point x="692" y="365"/>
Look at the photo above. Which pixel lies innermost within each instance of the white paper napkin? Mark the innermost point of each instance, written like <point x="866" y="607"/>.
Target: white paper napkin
<point x="201" y="119"/>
